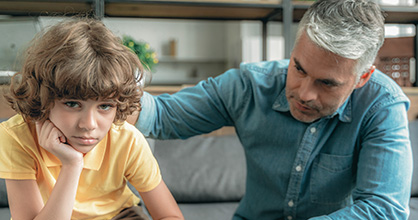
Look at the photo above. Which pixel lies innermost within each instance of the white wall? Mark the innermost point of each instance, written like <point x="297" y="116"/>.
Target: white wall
<point x="200" y="46"/>
<point x="15" y="34"/>
<point x="204" y="48"/>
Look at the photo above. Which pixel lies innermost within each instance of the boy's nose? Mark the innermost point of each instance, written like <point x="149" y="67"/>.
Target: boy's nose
<point x="88" y="122"/>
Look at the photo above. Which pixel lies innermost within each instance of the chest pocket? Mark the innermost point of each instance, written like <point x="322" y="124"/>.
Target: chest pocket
<point x="331" y="179"/>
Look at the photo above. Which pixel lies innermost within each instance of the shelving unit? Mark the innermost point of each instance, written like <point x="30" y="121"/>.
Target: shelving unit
<point x="262" y="10"/>
<point x="285" y="11"/>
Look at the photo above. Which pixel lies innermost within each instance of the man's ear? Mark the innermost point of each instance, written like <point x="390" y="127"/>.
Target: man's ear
<point x="365" y="77"/>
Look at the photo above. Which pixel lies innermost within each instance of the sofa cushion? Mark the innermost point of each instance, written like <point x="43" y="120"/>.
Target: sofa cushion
<point x="413" y="133"/>
<point x="209" y="211"/>
<point x="203" y="168"/>
<point x="413" y="208"/>
<point x="3" y="194"/>
<point x="5" y="213"/>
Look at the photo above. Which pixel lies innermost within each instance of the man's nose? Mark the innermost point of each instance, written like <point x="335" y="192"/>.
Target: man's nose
<point x="307" y="91"/>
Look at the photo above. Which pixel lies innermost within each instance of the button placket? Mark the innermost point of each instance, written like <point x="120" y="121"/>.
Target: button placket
<point x="306" y="147"/>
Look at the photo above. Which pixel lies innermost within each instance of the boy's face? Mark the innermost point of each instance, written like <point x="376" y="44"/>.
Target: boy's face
<point x="84" y="123"/>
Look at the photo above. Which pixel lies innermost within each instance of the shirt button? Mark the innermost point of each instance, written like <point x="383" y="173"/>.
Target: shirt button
<point x="289" y="217"/>
<point x="290" y="203"/>
<point x="298" y="168"/>
<point x="313" y="130"/>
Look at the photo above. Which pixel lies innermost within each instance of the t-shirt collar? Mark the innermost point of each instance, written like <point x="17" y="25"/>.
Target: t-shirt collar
<point x="92" y="160"/>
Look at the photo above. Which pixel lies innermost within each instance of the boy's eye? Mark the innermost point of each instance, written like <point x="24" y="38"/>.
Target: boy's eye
<point x="106" y="106"/>
<point x="72" y="104"/>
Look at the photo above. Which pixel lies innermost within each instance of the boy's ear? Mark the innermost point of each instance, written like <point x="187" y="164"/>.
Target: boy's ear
<point x="365" y="77"/>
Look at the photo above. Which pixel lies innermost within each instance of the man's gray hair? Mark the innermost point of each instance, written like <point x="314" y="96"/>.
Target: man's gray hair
<point x="352" y="29"/>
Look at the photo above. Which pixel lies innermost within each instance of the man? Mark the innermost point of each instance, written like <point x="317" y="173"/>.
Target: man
<point x="325" y="135"/>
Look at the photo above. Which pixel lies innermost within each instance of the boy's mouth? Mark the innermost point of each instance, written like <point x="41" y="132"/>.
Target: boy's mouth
<point x="86" y="140"/>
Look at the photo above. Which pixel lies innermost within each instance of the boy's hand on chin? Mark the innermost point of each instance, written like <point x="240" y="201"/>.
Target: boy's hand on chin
<point x="53" y="140"/>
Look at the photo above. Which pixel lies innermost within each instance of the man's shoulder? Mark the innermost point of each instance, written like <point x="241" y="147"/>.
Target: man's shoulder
<point x="380" y="83"/>
<point x="266" y="67"/>
<point x="381" y="89"/>
<point x="268" y="74"/>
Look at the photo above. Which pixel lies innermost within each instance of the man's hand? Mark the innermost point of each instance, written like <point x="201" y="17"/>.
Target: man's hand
<point x="54" y="141"/>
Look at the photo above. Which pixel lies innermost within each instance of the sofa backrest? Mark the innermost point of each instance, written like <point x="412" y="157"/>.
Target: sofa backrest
<point x="202" y="168"/>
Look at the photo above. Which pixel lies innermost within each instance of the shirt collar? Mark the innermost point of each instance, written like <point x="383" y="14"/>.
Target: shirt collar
<point x="344" y="112"/>
<point x="92" y="160"/>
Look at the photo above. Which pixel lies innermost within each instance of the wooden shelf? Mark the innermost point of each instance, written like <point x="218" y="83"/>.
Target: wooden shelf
<point x="45" y="8"/>
<point x="6" y="111"/>
<point x="214" y="10"/>
<point x="184" y="9"/>
<point x="167" y="59"/>
<point x="401" y="14"/>
<point x="410" y="91"/>
<point x="395" y="14"/>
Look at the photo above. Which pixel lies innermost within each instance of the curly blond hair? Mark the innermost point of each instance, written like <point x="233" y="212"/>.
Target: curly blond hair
<point x="76" y="59"/>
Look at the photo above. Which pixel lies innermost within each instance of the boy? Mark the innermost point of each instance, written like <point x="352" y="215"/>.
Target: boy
<point x="68" y="152"/>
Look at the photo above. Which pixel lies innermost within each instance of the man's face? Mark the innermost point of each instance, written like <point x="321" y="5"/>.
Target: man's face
<point x="318" y="82"/>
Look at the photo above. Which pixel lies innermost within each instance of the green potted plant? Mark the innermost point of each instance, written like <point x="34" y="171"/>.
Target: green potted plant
<point x="145" y="53"/>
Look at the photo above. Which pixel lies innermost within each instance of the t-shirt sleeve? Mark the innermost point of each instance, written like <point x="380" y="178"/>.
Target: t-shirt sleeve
<point x="16" y="161"/>
<point x="142" y="169"/>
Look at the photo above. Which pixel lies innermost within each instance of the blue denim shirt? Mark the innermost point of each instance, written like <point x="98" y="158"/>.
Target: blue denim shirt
<point x="353" y="164"/>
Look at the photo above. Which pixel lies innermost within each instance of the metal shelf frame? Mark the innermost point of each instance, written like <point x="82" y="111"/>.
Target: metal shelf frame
<point x="286" y="11"/>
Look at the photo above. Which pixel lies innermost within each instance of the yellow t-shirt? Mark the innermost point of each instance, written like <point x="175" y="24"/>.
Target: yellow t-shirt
<point x="123" y="155"/>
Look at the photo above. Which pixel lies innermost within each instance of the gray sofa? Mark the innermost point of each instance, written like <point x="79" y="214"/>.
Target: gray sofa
<point x="207" y="175"/>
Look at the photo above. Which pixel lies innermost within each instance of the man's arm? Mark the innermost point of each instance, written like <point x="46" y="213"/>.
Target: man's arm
<point x="191" y="111"/>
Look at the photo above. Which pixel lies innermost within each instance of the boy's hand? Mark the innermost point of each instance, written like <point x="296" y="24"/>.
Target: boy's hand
<point x="54" y="141"/>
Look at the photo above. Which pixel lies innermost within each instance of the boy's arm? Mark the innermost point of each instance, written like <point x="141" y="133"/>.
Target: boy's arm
<point x="161" y="204"/>
<point x="24" y="196"/>
<point x="26" y="201"/>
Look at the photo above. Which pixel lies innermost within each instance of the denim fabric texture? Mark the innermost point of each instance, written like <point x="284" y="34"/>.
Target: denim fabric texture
<point x="353" y="164"/>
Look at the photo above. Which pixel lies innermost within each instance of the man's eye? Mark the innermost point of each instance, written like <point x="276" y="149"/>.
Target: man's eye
<point x="325" y="83"/>
<point x="299" y="69"/>
<point x="328" y="83"/>
<point x="72" y="104"/>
